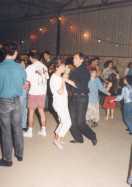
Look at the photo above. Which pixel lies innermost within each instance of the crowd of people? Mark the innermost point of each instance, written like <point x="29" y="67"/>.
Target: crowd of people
<point x="72" y="90"/>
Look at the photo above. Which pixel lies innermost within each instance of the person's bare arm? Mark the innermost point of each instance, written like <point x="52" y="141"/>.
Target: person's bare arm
<point x="72" y="83"/>
<point x="61" y="90"/>
<point x="68" y="81"/>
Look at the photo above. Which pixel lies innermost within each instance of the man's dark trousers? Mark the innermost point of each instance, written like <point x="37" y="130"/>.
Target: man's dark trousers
<point x="78" y="107"/>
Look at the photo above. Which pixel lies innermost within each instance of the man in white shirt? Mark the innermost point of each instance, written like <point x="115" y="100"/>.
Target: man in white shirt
<point x="37" y="75"/>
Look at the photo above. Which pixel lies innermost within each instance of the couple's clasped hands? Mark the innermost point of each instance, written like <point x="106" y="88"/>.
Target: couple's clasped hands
<point x="68" y="81"/>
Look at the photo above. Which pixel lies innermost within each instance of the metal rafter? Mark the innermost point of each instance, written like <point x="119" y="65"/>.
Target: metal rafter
<point x="100" y="6"/>
<point x="105" y="1"/>
<point x="80" y="3"/>
<point x="46" y="8"/>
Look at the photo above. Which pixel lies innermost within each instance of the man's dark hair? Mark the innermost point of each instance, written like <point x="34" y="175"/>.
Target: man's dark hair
<point x="10" y="48"/>
<point x="33" y="54"/>
<point x="47" y="52"/>
<point x="81" y="55"/>
<point x="95" y="58"/>
<point x="2" y="54"/>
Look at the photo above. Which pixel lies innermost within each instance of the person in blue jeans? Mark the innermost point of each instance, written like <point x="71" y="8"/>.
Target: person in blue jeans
<point x="126" y="95"/>
<point x="12" y="79"/>
<point x="23" y="101"/>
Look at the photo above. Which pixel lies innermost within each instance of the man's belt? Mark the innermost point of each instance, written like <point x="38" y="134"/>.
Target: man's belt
<point x="80" y="94"/>
<point x="10" y="99"/>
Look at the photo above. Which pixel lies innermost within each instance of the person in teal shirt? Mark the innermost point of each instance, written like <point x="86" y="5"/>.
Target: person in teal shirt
<point x="12" y="79"/>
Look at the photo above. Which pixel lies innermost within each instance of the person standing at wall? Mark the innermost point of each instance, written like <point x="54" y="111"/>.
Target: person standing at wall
<point x="79" y="101"/>
<point x="37" y="75"/>
<point x="12" y="79"/>
<point x="108" y="69"/>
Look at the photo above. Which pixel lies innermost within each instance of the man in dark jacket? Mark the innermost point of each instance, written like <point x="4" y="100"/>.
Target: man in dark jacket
<point x="79" y="102"/>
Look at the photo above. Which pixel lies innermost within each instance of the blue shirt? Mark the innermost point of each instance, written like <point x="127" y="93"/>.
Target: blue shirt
<point x="126" y="94"/>
<point x="12" y="78"/>
<point x="130" y="72"/>
<point x="95" y="85"/>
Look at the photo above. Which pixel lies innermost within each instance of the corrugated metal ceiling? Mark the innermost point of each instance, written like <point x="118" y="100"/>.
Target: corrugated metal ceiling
<point x="19" y="10"/>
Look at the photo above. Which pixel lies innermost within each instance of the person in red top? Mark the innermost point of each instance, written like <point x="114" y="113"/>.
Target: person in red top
<point x="109" y="103"/>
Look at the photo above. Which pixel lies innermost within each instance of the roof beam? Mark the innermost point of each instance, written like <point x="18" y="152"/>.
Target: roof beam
<point x="105" y="4"/>
<point x="45" y="12"/>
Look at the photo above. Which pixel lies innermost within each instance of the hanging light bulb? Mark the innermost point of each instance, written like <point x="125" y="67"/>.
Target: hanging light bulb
<point x="53" y="20"/>
<point x="86" y="35"/>
<point x="72" y="28"/>
<point x="33" y="37"/>
<point x="62" y="19"/>
<point x="116" y="45"/>
<point x="40" y="29"/>
<point x="99" y="41"/>
<point x="22" y="41"/>
<point x="43" y="30"/>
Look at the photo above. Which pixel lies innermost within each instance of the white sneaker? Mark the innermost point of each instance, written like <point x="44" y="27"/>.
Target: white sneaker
<point x="62" y="142"/>
<point x="42" y="132"/>
<point x="28" y="134"/>
<point x="58" y="145"/>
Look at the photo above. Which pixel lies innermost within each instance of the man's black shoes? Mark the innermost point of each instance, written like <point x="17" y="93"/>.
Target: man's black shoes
<point x="94" y="142"/>
<point x="19" y="158"/>
<point x="5" y="163"/>
<point x="75" y="141"/>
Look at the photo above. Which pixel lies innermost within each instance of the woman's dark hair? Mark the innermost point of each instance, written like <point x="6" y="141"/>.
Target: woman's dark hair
<point x="10" y="48"/>
<point x="42" y="56"/>
<point x="69" y="60"/>
<point x="94" y="58"/>
<point x="106" y="64"/>
<point x="113" y="79"/>
<point x="58" y="62"/>
<point x="33" y="54"/>
<point x="46" y="52"/>
<point x="93" y="69"/>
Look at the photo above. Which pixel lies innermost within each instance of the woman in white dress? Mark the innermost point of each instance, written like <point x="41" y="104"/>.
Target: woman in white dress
<point x="60" y="101"/>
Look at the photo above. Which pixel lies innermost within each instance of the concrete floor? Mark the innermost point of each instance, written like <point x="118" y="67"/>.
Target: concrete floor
<point x="105" y="165"/>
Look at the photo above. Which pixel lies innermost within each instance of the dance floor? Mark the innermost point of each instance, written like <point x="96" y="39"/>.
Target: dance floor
<point x="105" y="165"/>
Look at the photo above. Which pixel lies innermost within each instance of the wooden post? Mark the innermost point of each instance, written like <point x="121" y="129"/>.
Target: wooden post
<point x="58" y="36"/>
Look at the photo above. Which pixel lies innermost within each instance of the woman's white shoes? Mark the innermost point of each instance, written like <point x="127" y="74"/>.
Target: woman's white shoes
<point x="58" y="144"/>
